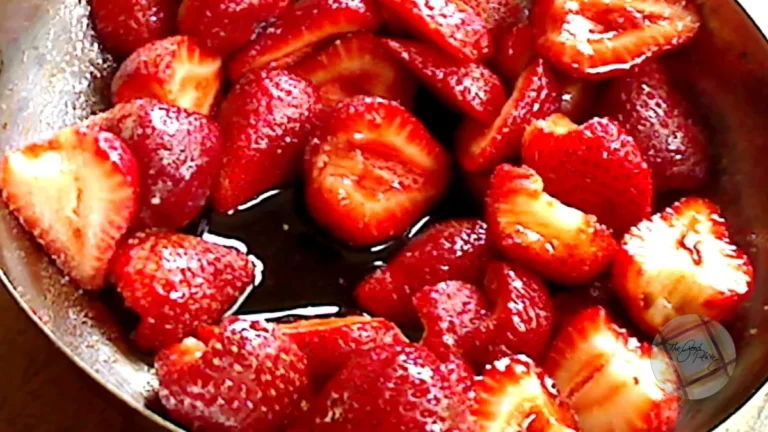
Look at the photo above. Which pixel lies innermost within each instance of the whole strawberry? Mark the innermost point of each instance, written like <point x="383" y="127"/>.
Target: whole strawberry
<point x="242" y="376"/>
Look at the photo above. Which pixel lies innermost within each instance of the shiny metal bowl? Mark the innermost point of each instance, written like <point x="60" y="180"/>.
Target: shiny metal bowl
<point x="53" y="74"/>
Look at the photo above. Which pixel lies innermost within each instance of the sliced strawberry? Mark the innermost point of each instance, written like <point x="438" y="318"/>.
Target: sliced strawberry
<point x="451" y="250"/>
<point x="450" y="311"/>
<point x="501" y="14"/>
<point x="305" y="24"/>
<point x="179" y="155"/>
<point x="265" y="123"/>
<point x="77" y="193"/>
<point x="598" y="39"/>
<point x="663" y="124"/>
<point x="330" y="343"/>
<point x="481" y="147"/>
<point x="125" y="26"/>
<point x="602" y="371"/>
<point x="469" y="87"/>
<point x="173" y="70"/>
<point x="595" y="167"/>
<point x="681" y="261"/>
<point x="177" y="282"/>
<point x="372" y="170"/>
<point x="533" y="228"/>
<point x="451" y="25"/>
<point x="578" y="98"/>
<point x="248" y="376"/>
<point x="515" y="395"/>
<point x="515" y="50"/>
<point x="358" y="64"/>
<point x="225" y="26"/>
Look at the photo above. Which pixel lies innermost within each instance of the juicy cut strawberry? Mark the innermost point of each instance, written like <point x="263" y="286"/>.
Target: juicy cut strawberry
<point x="77" y="193"/>
<point x="174" y="70"/>
<point x="243" y="376"/>
<point x="265" y="123"/>
<point x="470" y="87"/>
<point x="372" y="170"/>
<point x="501" y="14"/>
<point x="454" y="250"/>
<point x="177" y="282"/>
<point x="125" y="26"/>
<point x="681" y="261"/>
<point x="597" y="39"/>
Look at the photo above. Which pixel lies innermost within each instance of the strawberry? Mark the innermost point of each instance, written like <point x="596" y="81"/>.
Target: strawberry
<point x="450" y="311"/>
<point x="451" y="25"/>
<point x="179" y="155"/>
<point x="225" y="26"/>
<point x="329" y="343"/>
<point x="358" y="64"/>
<point x="599" y="39"/>
<point x="306" y="24"/>
<point x="577" y="98"/>
<point x="469" y="87"/>
<point x="77" y="193"/>
<point x="515" y="50"/>
<point x="390" y="388"/>
<point x="480" y="147"/>
<point x="522" y="317"/>
<point x="663" y="125"/>
<point x="174" y="70"/>
<point x="679" y="262"/>
<point x="372" y="170"/>
<point x="451" y="250"/>
<point x="246" y="376"/>
<point x="500" y="14"/>
<point x="125" y="26"/>
<point x="531" y="227"/>
<point x="515" y="395"/>
<point x="602" y="372"/>
<point x="570" y="303"/>
<point x="595" y="167"/>
<point x="265" y="123"/>
<point x="477" y="184"/>
<point x="177" y="282"/>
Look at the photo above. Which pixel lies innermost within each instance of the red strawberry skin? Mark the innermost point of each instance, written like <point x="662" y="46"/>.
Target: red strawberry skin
<point x="330" y="343"/>
<point x="578" y="98"/>
<point x="663" y="125"/>
<point x="175" y="70"/>
<point x="248" y="376"/>
<point x="225" y="26"/>
<point x="125" y="26"/>
<point x="390" y="389"/>
<point x="595" y="167"/>
<point x="177" y="282"/>
<point x="449" y="312"/>
<point x="372" y="170"/>
<point x="179" y="154"/>
<point x="452" y="250"/>
<point x="500" y="14"/>
<point x="515" y="50"/>
<point x="265" y="123"/>
<point x="470" y="87"/>
<point x="77" y="193"/>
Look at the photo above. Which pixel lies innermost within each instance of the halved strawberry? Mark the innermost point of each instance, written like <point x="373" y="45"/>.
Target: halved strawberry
<point x="602" y="372"/>
<point x="501" y="14"/>
<point x="480" y="147"/>
<point x="77" y="193"/>
<point x="372" y="170"/>
<point x="174" y="70"/>
<point x="578" y="98"/>
<point x="531" y="227"/>
<point x="515" y="395"/>
<point x="451" y="25"/>
<point x="330" y="343"/>
<point x="598" y="39"/>
<point x="265" y="123"/>
<point x="515" y="50"/>
<point x="469" y="87"/>
<point x="225" y="26"/>
<point x="595" y="167"/>
<point x="358" y="64"/>
<point x="663" y="125"/>
<point x="453" y="250"/>
<point x="125" y="26"/>
<point x="307" y="23"/>
<point x="681" y="261"/>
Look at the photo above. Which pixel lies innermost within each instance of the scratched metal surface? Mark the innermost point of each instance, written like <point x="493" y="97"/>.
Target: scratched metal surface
<point x="53" y="74"/>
